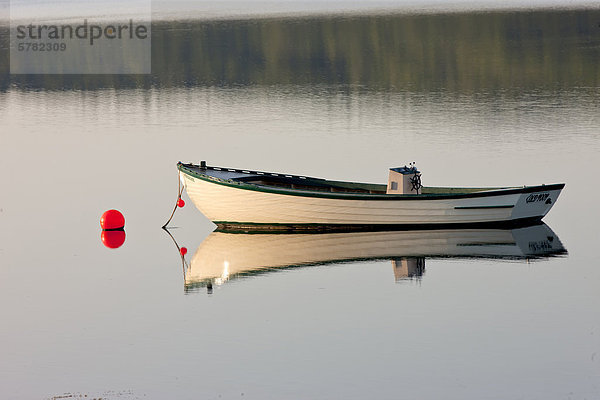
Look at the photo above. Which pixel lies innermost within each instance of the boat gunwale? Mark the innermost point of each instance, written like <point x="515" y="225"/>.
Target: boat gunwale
<point x="186" y="169"/>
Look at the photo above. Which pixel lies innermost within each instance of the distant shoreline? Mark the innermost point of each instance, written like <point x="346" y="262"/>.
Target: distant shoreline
<point x="261" y="10"/>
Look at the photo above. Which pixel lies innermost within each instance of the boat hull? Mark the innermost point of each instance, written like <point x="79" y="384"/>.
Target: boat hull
<point x="230" y="206"/>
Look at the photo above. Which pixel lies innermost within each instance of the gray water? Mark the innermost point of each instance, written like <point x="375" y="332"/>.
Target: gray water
<point x="80" y="319"/>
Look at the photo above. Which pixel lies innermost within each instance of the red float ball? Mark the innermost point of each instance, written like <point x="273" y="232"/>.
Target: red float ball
<point x="183" y="251"/>
<point x="112" y="219"/>
<point x="113" y="239"/>
<point x="180" y="203"/>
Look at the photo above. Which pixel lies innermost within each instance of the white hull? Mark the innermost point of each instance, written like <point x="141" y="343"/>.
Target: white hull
<point x="223" y="203"/>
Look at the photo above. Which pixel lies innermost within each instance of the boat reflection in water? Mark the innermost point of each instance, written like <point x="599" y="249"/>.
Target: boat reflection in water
<point x="223" y="256"/>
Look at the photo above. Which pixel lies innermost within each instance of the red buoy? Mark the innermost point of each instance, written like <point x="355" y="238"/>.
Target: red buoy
<point x="111" y="220"/>
<point x="113" y="239"/>
<point x="180" y="203"/>
<point x="183" y="251"/>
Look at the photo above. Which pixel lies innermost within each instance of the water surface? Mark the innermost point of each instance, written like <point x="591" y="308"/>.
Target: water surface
<point x="476" y="99"/>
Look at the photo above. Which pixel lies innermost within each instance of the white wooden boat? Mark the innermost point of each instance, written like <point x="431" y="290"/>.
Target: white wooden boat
<point x="247" y="199"/>
<point x="223" y="256"/>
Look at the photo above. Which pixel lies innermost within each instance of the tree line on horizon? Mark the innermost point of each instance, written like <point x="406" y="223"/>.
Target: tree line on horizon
<point x="458" y="52"/>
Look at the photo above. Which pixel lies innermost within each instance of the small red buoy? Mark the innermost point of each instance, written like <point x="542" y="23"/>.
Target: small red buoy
<point x="113" y="239"/>
<point x="111" y="220"/>
<point x="180" y="203"/>
<point x="183" y="251"/>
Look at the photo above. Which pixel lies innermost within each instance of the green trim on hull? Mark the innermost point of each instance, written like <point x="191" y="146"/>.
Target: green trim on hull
<point x="187" y="169"/>
<point x="482" y="207"/>
<point x="253" y="227"/>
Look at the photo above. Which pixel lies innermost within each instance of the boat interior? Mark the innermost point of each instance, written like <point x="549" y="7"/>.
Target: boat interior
<point x="298" y="182"/>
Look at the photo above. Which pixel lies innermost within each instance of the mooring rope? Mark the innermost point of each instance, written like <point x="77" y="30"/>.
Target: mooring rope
<point x="180" y="192"/>
<point x="184" y="263"/>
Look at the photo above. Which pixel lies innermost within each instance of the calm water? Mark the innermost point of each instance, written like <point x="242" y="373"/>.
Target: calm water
<point x="476" y="99"/>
